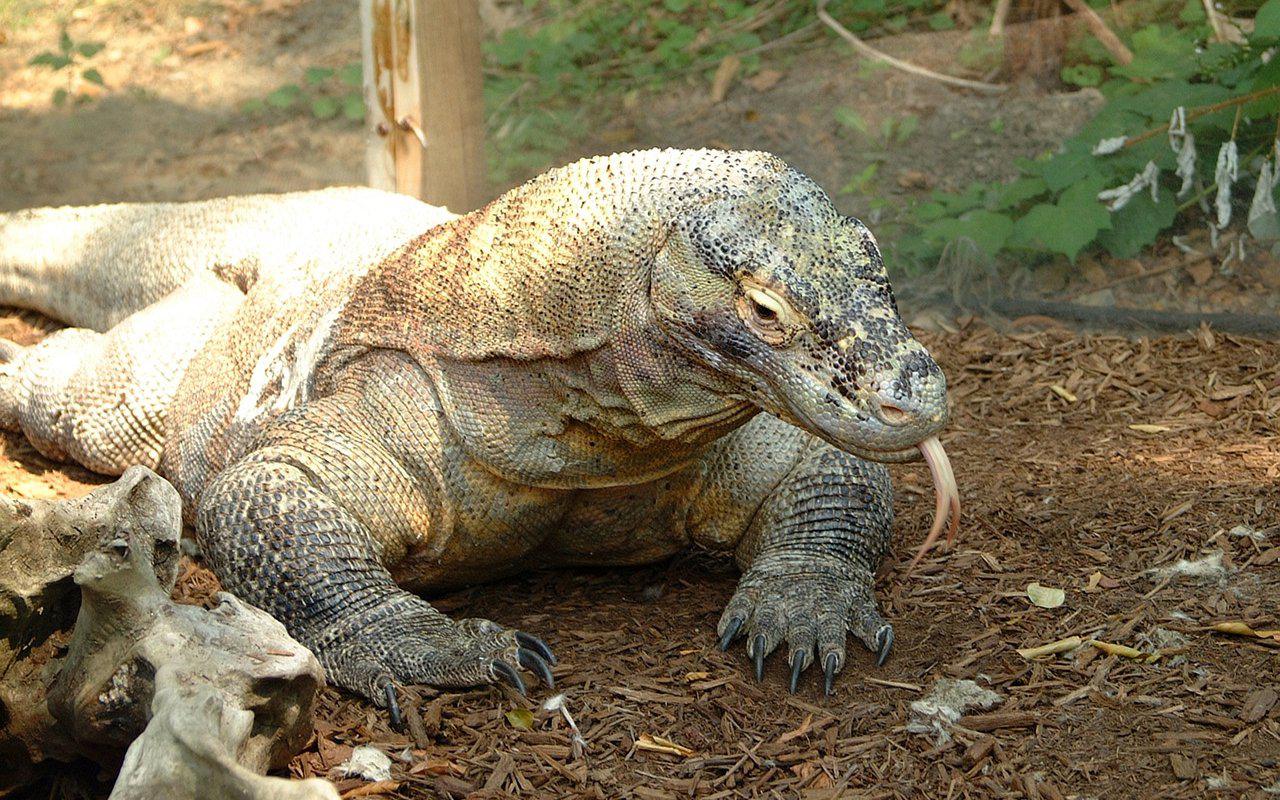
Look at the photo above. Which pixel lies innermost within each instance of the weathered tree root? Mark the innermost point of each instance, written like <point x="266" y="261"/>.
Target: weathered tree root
<point x="198" y="702"/>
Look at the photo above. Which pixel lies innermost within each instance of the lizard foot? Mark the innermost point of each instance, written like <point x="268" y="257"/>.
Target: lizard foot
<point x="419" y="645"/>
<point x="812" y="612"/>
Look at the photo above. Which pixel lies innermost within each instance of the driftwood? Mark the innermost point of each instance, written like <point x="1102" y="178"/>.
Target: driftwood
<point x="197" y="703"/>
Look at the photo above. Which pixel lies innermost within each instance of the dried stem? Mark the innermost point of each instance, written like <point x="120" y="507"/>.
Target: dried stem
<point x="1100" y="31"/>
<point x="998" y="18"/>
<point x="1200" y="111"/>
<point x="870" y="52"/>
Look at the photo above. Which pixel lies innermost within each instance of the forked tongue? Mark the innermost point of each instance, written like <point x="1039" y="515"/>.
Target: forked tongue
<point x="948" y="497"/>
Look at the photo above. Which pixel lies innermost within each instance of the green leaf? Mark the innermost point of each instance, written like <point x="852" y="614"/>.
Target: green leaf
<point x="59" y="97"/>
<point x="941" y="21"/>
<point x="93" y="76"/>
<point x="284" y="97"/>
<point x="253" y="105"/>
<point x="850" y="119"/>
<point x="51" y="60"/>
<point x="353" y="107"/>
<point x="64" y="42"/>
<point x="1066" y="227"/>
<point x="986" y="229"/>
<point x="677" y="6"/>
<point x="1137" y="225"/>
<point x="1064" y="169"/>
<point x="317" y="75"/>
<point x="324" y="108"/>
<point x="89" y="49"/>
<point x="863" y="179"/>
<point x="1266" y="24"/>
<point x="352" y="74"/>
<point x="1012" y="195"/>
<point x="1082" y="75"/>
<point x="907" y="126"/>
<point x="520" y="719"/>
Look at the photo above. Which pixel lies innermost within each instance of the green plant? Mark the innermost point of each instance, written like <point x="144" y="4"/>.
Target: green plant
<point x="1187" y="135"/>
<point x="547" y="79"/>
<point x="70" y="58"/>
<point x="325" y="93"/>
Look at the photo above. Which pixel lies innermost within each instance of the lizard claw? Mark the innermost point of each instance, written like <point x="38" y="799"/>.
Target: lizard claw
<point x="884" y="637"/>
<point x="829" y="672"/>
<point x="758" y="652"/>
<point x="393" y="706"/>
<point x="797" y="666"/>
<point x="508" y="673"/>
<point x="535" y="663"/>
<point x="531" y="642"/>
<point x="730" y="631"/>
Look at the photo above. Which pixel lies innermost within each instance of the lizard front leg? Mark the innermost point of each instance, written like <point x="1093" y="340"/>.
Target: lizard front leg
<point x="814" y="523"/>
<point x="304" y="527"/>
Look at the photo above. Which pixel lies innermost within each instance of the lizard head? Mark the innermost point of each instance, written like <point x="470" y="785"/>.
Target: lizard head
<point x="790" y="299"/>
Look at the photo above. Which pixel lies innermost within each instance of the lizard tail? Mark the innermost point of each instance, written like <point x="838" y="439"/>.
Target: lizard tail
<point x="75" y="264"/>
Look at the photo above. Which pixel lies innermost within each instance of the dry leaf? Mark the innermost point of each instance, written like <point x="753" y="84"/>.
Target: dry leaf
<point x="658" y="744"/>
<point x="1053" y="648"/>
<point x="696" y="676"/>
<point x="725" y="73"/>
<point x="1143" y="427"/>
<point x="1061" y="391"/>
<point x="520" y="718"/>
<point x="1124" y="651"/>
<point x="1046" y="596"/>
<point x="1241" y="629"/>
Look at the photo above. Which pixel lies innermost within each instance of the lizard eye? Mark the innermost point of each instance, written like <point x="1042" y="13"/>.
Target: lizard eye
<point x="766" y="314"/>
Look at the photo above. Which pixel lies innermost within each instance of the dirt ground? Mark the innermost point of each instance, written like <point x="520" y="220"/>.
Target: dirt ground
<point x="1058" y="486"/>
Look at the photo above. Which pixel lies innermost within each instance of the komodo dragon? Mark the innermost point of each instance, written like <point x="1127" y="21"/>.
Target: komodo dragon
<point x="355" y="392"/>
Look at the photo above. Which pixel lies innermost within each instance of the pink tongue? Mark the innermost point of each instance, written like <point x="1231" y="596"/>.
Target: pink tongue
<point x="948" y="497"/>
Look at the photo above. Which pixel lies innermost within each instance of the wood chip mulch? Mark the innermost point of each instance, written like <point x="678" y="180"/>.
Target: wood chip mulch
<point x="1141" y="476"/>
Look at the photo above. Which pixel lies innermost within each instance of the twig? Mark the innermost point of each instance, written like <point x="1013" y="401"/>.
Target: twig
<point x="1100" y="31"/>
<point x="870" y="52"/>
<point x="1214" y="23"/>
<point x="998" y="18"/>
<point x="1196" y="113"/>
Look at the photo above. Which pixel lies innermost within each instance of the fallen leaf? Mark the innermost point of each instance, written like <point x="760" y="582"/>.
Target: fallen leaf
<point x="1241" y="629"/>
<point x="659" y="744"/>
<point x="1267" y="556"/>
<point x="437" y="766"/>
<point x="1053" y="648"/>
<point x="1124" y="651"/>
<point x="520" y="718"/>
<point x="1061" y="391"/>
<point x="1143" y="427"/>
<point x="725" y="73"/>
<point x="1045" y="596"/>
<point x="696" y="676"/>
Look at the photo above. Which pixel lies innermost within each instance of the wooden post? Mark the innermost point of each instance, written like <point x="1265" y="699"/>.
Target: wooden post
<point x="423" y="95"/>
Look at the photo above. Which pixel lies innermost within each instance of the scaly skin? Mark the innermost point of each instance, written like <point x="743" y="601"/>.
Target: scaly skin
<point x="571" y="375"/>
